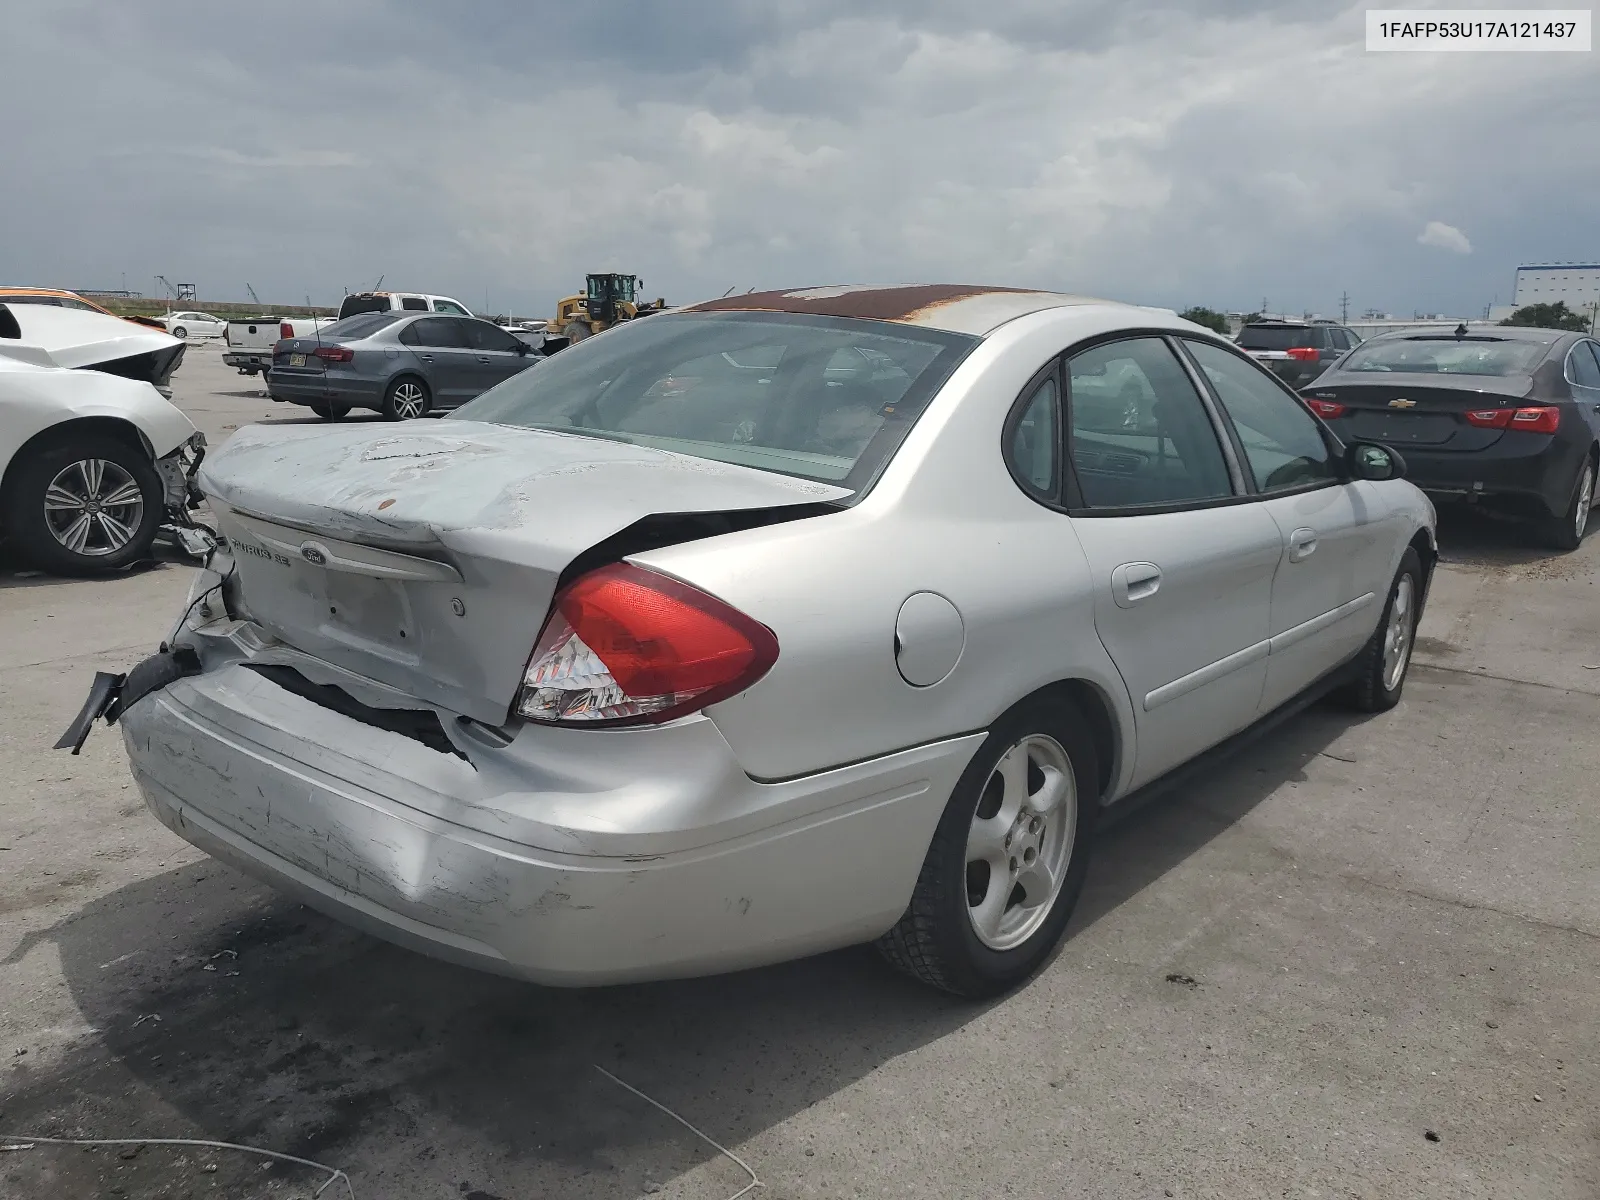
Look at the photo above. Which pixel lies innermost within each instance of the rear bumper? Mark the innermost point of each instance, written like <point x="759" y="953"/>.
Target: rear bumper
<point x="1537" y="469"/>
<point x="320" y="388"/>
<point x="565" y="857"/>
<point x="245" y="359"/>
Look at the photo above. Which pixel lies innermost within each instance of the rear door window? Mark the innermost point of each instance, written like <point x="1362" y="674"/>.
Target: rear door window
<point x="1582" y="367"/>
<point x="445" y="333"/>
<point x="449" y="306"/>
<point x="413" y="304"/>
<point x="1033" y="441"/>
<point x="1139" y="432"/>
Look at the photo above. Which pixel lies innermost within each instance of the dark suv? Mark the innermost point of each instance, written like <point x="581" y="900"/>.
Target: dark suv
<point x="1296" y="351"/>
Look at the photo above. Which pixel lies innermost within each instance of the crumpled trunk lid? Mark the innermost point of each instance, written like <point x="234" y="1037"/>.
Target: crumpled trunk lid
<point x="425" y="556"/>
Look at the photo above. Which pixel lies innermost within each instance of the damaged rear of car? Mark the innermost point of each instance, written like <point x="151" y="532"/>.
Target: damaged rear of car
<point x="96" y="467"/>
<point x="433" y="682"/>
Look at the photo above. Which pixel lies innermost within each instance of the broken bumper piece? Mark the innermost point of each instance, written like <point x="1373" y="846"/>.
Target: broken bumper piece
<point x="111" y="695"/>
<point x="566" y="857"/>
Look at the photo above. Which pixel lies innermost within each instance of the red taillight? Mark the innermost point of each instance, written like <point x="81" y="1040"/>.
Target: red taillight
<point x="1302" y="353"/>
<point x="625" y="645"/>
<point x="285" y="330"/>
<point x="334" y="353"/>
<point x="1536" y="420"/>
<point x="1540" y="419"/>
<point x="1327" y="409"/>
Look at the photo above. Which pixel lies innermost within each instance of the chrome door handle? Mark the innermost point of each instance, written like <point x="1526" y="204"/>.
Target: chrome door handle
<point x="1302" y="544"/>
<point x="425" y="357"/>
<point x="483" y="358"/>
<point x="1133" y="582"/>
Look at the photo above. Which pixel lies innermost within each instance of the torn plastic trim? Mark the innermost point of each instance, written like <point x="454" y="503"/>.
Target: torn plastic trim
<point x="660" y="530"/>
<point x="112" y="695"/>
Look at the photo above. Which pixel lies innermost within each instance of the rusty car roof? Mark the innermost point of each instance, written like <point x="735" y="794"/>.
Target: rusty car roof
<point x="956" y="307"/>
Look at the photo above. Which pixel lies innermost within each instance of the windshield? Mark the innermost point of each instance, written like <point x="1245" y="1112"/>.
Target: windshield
<point x="1275" y="337"/>
<point x="359" y="326"/>
<point x="1447" y="356"/>
<point x="820" y="398"/>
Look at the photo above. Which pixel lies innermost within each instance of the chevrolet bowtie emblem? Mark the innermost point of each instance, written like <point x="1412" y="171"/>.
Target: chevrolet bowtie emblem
<point x="1402" y="404"/>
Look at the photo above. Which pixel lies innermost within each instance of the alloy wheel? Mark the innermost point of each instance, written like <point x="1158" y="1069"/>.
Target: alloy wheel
<point x="1580" y="521"/>
<point x="1397" y="636"/>
<point x="409" y="401"/>
<point x="1020" y="842"/>
<point x="93" y="507"/>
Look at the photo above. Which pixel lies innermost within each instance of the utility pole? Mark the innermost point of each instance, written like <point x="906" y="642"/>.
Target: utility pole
<point x="1344" y="309"/>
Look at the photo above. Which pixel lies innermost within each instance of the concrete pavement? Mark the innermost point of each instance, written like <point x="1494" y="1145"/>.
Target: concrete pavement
<point x="1281" y="981"/>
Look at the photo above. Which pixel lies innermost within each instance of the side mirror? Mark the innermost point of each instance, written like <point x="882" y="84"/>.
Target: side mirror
<point x="1373" y="461"/>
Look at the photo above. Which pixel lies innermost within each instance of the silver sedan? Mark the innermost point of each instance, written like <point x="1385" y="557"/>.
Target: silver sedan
<point x="776" y="624"/>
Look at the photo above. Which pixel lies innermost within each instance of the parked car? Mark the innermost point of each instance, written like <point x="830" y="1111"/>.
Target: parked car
<point x="1297" y="352"/>
<point x="1508" y="417"/>
<point x="185" y="325"/>
<point x="363" y="302"/>
<point x="401" y="364"/>
<point x="92" y="463"/>
<point x="75" y="338"/>
<point x="251" y="340"/>
<point x="57" y="298"/>
<point x="601" y="679"/>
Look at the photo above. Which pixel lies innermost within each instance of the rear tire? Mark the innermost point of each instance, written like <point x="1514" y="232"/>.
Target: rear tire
<point x="329" y="412"/>
<point x="1022" y="816"/>
<point x="180" y="332"/>
<point x="1386" y="659"/>
<point x="406" y="400"/>
<point x="1566" y="531"/>
<point x="85" y="507"/>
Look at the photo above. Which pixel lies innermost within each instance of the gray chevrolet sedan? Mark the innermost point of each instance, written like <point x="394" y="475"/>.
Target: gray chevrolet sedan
<point x="402" y="364"/>
<point x="776" y="624"/>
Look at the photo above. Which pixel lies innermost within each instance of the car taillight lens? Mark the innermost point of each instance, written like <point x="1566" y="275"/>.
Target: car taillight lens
<point x="1327" y="409"/>
<point x="1536" y="420"/>
<point x="1539" y="419"/>
<point x="285" y="330"/>
<point x="1302" y="353"/>
<point x="334" y="353"/>
<point x="625" y="645"/>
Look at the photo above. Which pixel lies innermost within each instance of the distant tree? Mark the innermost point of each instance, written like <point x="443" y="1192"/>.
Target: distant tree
<point x="1255" y="316"/>
<point x="1548" y="316"/>
<point x="1208" y="317"/>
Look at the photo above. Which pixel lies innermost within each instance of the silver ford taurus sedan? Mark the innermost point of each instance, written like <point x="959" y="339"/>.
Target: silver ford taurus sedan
<point x="776" y="624"/>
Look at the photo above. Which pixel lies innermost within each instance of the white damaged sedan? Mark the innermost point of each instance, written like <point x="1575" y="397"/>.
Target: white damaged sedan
<point x="776" y="624"/>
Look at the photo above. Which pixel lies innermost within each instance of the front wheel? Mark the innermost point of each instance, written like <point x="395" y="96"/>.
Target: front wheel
<point x="1566" y="531"/>
<point x="576" y="331"/>
<point x="1383" y="662"/>
<point x="406" y="400"/>
<point x="1008" y="859"/>
<point x="84" y="507"/>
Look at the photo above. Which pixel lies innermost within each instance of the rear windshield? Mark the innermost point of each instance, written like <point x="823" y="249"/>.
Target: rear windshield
<point x="1275" y="337"/>
<point x="1447" y="356"/>
<point x="363" y="304"/>
<point x="820" y="398"/>
<point x="359" y="326"/>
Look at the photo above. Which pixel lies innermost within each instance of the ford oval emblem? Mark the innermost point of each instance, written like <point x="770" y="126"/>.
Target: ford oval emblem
<point x="313" y="555"/>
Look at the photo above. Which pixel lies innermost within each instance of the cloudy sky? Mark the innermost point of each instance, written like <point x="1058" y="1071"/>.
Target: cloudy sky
<point x="1215" y="154"/>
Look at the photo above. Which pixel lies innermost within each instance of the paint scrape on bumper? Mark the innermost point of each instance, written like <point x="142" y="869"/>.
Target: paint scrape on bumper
<point x="565" y="858"/>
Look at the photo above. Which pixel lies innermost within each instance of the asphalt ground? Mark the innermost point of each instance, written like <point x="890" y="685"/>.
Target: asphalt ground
<point x="1359" y="959"/>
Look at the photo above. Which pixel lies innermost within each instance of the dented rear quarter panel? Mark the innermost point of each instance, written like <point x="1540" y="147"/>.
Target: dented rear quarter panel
<point x="945" y="517"/>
